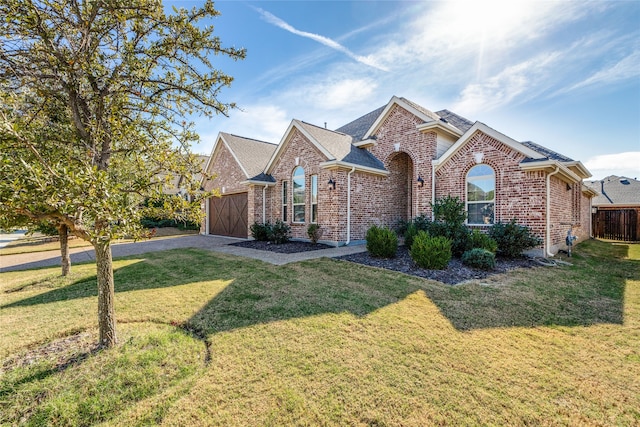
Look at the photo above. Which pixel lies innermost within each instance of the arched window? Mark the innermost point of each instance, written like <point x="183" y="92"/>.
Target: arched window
<point x="298" y="194"/>
<point x="481" y="195"/>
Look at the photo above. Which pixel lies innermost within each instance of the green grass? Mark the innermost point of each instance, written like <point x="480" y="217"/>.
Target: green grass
<point x="211" y="339"/>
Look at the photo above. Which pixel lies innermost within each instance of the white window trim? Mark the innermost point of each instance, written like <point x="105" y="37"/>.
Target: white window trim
<point x="312" y="179"/>
<point x="285" y="201"/>
<point x="492" y="201"/>
<point x="303" y="204"/>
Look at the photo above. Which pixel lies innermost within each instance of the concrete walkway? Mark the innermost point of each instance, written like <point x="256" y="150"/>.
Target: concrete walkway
<point x="213" y="243"/>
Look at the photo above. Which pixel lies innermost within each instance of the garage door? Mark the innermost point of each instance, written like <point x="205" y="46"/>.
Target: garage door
<point x="228" y="215"/>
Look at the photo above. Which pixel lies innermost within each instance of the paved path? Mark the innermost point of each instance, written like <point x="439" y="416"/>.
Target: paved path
<point x="213" y="243"/>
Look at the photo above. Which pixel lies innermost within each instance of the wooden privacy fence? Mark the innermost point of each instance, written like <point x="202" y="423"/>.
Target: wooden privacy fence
<point x="618" y="224"/>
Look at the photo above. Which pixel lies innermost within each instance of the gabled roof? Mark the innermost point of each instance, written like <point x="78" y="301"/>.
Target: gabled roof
<point x="616" y="191"/>
<point x="361" y="125"/>
<point x="549" y="154"/>
<point x="335" y="146"/>
<point x="365" y="126"/>
<point x="251" y="155"/>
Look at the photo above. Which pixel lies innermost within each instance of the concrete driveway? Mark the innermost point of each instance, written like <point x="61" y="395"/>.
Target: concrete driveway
<point x="212" y="243"/>
<point x="52" y="258"/>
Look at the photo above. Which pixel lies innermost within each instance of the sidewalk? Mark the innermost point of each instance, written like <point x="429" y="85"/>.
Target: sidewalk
<point x="213" y="243"/>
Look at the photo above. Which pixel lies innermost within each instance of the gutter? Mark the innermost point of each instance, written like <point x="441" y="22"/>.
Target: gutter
<point x="548" y="226"/>
<point x="433" y="190"/>
<point x="353" y="169"/>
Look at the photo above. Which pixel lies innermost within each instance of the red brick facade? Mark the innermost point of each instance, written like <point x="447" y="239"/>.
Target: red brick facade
<point x="408" y="153"/>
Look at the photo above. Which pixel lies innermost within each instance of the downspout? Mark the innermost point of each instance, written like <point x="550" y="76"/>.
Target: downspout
<point x="264" y="204"/>
<point x="548" y="227"/>
<point x="433" y="190"/>
<point x="591" y="217"/>
<point x="349" y="206"/>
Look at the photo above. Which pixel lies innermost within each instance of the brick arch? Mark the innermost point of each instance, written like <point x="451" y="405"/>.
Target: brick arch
<point x="401" y="167"/>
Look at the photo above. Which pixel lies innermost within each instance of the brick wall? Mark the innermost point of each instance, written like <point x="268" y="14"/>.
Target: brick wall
<point x="519" y="194"/>
<point x="330" y="206"/>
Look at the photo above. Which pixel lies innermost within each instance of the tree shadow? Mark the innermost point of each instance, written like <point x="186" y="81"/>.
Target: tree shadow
<point x="587" y="293"/>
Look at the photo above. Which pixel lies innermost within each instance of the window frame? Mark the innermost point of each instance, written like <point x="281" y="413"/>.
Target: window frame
<point x="314" y="199"/>
<point x="489" y="202"/>
<point x="301" y="190"/>
<point x="285" y="200"/>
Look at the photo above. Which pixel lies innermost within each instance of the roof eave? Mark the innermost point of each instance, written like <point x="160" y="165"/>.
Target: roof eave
<point x="258" y="182"/>
<point x="579" y="169"/>
<point x="337" y="164"/>
<point x="366" y="143"/>
<point x="550" y="166"/>
<point x="441" y="127"/>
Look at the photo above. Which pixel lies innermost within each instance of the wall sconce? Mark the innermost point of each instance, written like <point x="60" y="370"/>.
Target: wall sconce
<point x="332" y="184"/>
<point x="569" y="187"/>
<point x="420" y="181"/>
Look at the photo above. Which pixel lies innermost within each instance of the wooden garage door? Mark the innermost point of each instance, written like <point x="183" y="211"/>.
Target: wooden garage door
<point x="228" y="215"/>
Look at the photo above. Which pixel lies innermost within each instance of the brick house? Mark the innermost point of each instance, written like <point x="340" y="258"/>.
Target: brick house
<point x="389" y="165"/>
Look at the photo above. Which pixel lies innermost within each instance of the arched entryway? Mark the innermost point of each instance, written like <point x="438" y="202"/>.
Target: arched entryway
<point x="401" y="186"/>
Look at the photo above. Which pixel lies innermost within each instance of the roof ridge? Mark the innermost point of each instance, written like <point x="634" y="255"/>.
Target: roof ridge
<point x="249" y="139"/>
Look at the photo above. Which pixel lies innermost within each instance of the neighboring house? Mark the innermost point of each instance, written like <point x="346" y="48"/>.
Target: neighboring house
<point x="616" y="208"/>
<point x="389" y="165"/>
<point x="174" y="184"/>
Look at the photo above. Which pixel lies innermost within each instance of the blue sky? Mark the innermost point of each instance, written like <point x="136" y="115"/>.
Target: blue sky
<point x="562" y="74"/>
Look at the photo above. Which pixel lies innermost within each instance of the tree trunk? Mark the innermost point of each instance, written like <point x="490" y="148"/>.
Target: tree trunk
<point x="106" y="295"/>
<point x="65" y="259"/>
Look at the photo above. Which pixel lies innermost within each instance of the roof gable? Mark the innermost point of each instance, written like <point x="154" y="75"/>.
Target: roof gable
<point x="251" y="155"/>
<point x="481" y="127"/>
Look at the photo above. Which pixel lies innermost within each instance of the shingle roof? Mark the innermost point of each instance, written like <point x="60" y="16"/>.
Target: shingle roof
<point x="549" y="154"/>
<point x="616" y="190"/>
<point x="456" y="120"/>
<point x="361" y="125"/>
<point x="252" y="154"/>
<point x="339" y="146"/>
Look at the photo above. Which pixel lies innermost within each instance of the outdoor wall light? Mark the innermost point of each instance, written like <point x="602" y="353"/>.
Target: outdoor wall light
<point x="420" y="181"/>
<point x="332" y="184"/>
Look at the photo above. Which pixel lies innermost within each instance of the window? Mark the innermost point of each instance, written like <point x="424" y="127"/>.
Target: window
<point x="285" y="198"/>
<point x="298" y="194"/>
<point x="314" y="198"/>
<point x="481" y="193"/>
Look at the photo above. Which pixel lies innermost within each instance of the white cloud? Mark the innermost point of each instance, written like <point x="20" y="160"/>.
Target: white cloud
<point x="620" y="164"/>
<point x="264" y="122"/>
<point x="335" y="93"/>
<point x="366" y="60"/>
<point x="628" y="67"/>
<point x="517" y="81"/>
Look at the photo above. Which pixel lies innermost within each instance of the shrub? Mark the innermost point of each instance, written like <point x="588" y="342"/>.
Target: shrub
<point x="260" y="232"/>
<point x="479" y="258"/>
<point x="458" y="234"/>
<point x="314" y="232"/>
<point x="513" y="238"/>
<point x="433" y="253"/>
<point x="410" y="234"/>
<point x="483" y="241"/>
<point x="449" y="210"/>
<point x="280" y="232"/>
<point x="382" y="242"/>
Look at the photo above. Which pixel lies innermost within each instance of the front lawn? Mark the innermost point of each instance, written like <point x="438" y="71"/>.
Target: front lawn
<point x="212" y="339"/>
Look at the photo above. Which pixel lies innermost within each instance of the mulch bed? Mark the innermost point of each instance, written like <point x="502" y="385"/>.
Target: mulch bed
<point x="455" y="273"/>
<point x="282" y="248"/>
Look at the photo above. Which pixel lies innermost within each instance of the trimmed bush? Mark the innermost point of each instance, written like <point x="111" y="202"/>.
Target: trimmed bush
<point x="513" y="238"/>
<point x="410" y="234"/>
<point x="433" y="253"/>
<point x="280" y="232"/>
<point x="479" y="258"/>
<point x="382" y="242"/>
<point x="314" y="232"/>
<point x="483" y="241"/>
<point x="260" y="231"/>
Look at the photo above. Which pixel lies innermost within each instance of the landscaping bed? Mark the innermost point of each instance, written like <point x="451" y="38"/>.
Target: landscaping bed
<point x="456" y="272"/>
<point x="282" y="248"/>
